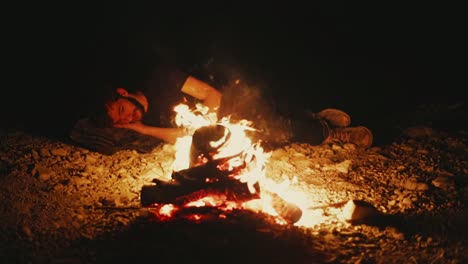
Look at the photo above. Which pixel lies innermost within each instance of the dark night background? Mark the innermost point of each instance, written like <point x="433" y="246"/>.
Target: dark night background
<point x="377" y="61"/>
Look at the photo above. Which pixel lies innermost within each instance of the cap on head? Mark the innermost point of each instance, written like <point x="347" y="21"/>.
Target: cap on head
<point x="141" y="98"/>
<point x="137" y="98"/>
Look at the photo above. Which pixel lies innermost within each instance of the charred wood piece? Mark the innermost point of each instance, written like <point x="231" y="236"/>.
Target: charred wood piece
<point x="204" y="177"/>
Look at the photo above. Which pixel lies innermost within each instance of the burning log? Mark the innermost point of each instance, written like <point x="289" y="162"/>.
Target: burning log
<point x="205" y="172"/>
<point x="206" y="177"/>
<point x="231" y="189"/>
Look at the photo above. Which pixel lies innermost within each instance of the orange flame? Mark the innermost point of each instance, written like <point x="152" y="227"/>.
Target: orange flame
<point x="255" y="171"/>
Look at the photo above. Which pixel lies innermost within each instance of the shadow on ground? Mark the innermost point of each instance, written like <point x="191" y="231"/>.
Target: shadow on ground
<point x="244" y="239"/>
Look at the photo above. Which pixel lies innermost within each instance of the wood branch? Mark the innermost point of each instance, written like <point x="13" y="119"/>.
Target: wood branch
<point x="205" y="177"/>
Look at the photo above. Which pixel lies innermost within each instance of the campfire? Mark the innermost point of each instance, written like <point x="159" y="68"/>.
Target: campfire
<point x="219" y="170"/>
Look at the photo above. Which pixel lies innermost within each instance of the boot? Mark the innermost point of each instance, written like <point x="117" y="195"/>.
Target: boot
<point x="333" y="117"/>
<point x="360" y="136"/>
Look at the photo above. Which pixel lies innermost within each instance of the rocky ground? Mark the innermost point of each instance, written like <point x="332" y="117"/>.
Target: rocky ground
<point x="61" y="203"/>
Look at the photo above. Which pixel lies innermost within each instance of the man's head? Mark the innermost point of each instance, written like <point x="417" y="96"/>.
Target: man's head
<point x="126" y="107"/>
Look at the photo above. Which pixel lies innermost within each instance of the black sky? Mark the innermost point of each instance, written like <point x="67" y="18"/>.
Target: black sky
<point x="366" y="58"/>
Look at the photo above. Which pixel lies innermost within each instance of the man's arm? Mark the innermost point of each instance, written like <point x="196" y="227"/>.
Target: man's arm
<point x="210" y="96"/>
<point x="169" y="135"/>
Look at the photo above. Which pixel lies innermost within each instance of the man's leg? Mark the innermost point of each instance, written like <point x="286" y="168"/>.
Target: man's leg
<point x="333" y="117"/>
<point x="360" y="136"/>
<point x="317" y="131"/>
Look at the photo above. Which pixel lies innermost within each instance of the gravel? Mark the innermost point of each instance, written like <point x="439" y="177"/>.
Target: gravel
<point x="61" y="203"/>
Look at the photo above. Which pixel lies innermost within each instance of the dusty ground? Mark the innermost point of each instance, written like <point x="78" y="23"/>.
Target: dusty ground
<point x="63" y="204"/>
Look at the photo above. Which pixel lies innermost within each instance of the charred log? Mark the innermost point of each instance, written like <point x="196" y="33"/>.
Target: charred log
<point x="175" y="193"/>
<point x="209" y="171"/>
<point x="207" y="177"/>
